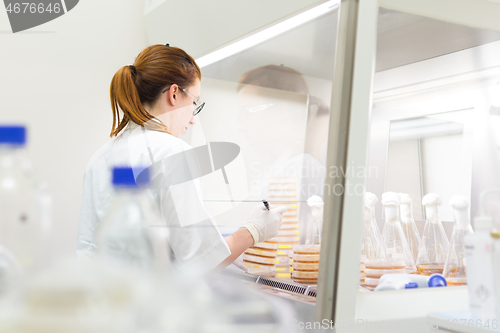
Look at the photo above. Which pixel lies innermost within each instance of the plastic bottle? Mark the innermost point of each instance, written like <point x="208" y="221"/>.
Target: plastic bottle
<point x="455" y="268"/>
<point x="394" y="245"/>
<point x="131" y="233"/>
<point x="410" y="281"/>
<point x="434" y="246"/>
<point x="478" y="251"/>
<point x="408" y="223"/>
<point x="24" y="225"/>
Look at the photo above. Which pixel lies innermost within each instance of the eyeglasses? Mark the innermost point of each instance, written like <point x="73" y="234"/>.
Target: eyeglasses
<point x="199" y="104"/>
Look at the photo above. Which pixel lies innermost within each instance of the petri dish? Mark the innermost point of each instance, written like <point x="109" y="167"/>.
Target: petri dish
<point x="261" y="252"/>
<point x="288" y="232"/>
<point x="385" y="263"/>
<point x="305" y="257"/>
<point x="305" y="266"/>
<point x="259" y="259"/>
<point x="306" y="249"/>
<point x="377" y="273"/>
<point x="288" y="239"/>
<point x="306" y="281"/>
<point x="304" y="274"/>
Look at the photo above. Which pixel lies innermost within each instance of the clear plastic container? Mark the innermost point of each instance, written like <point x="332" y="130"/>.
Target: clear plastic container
<point x="285" y="252"/>
<point x="305" y="266"/>
<point x="382" y="263"/>
<point x="289" y="226"/>
<point x="393" y="242"/>
<point x="434" y="246"/>
<point x="293" y="220"/>
<point x="259" y="259"/>
<point x="305" y="281"/>
<point x="260" y="269"/>
<point x="377" y="273"/>
<point x="286" y="246"/>
<point x="371" y="282"/>
<point x="261" y="252"/>
<point x="304" y="274"/>
<point x="287" y="239"/>
<point x="408" y="223"/>
<point x="290" y="214"/>
<point x="24" y="226"/>
<point x="268" y="245"/>
<point x="288" y="232"/>
<point x="283" y="260"/>
<point x="306" y="249"/>
<point x="305" y="257"/>
<point x="455" y="268"/>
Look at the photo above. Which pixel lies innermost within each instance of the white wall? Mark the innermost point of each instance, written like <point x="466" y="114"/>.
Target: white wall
<point x="55" y="79"/>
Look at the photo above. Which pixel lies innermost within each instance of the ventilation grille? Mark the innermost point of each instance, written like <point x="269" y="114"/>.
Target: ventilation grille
<point x="289" y="286"/>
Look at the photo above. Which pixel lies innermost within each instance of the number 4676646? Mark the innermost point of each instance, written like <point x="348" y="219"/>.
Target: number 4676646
<point x="33" y="8"/>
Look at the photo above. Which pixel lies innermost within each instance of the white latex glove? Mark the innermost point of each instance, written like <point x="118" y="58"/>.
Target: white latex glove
<point x="264" y="224"/>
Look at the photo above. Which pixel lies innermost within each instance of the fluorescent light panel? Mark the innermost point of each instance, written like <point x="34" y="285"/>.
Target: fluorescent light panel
<point x="268" y="33"/>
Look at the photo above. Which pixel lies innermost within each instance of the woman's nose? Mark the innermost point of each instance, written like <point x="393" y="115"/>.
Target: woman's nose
<point x="192" y="121"/>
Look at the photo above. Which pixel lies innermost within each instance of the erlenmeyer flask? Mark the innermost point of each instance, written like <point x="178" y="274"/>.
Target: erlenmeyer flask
<point x="434" y="245"/>
<point x="370" y="201"/>
<point x="408" y="224"/>
<point x="455" y="270"/>
<point x="393" y="243"/>
<point x="370" y="240"/>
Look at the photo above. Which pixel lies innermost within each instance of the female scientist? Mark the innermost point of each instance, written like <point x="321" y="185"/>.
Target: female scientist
<point x="159" y="98"/>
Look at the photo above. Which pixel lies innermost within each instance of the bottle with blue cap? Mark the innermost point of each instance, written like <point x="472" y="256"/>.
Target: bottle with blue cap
<point x="24" y="225"/>
<point x="131" y="233"/>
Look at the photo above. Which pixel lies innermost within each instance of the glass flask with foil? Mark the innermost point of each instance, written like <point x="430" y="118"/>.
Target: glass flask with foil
<point x="408" y="223"/>
<point x="455" y="267"/>
<point x="434" y="245"/>
<point x="393" y="242"/>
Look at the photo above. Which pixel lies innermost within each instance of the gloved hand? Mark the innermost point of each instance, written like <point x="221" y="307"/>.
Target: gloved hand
<point x="264" y="224"/>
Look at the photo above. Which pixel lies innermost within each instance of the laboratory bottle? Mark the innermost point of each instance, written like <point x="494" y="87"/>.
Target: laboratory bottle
<point x="408" y="223"/>
<point x="455" y="267"/>
<point x="24" y="225"/>
<point x="478" y="252"/>
<point x="314" y="233"/>
<point x="131" y="232"/>
<point x="434" y="245"/>
<point x="394" y="246"/>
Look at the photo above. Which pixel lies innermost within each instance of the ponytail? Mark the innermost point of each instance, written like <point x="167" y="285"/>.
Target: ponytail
<point x="155" y="68"/>
<point x="124" y="96"/>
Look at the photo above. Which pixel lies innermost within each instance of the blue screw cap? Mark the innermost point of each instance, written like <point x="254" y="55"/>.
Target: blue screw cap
<point x="437" y="280"/>
<point x="411" y="285"/>
<point x="13" y="135"/>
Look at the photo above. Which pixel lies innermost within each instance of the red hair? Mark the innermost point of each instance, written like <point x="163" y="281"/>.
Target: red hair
<point x="156" y="68"/>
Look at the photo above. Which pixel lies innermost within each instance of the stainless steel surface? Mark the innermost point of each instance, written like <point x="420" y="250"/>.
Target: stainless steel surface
<point x="308" y="291"/>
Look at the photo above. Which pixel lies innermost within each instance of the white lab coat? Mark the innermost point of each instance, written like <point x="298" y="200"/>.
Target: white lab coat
<point x="195" y="242"/>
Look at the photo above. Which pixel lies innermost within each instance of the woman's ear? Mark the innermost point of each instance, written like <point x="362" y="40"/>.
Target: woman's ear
<point x="172" y="94"/>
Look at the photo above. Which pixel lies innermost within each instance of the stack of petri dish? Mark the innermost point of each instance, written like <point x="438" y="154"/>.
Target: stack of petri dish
<point x="362" y="275"/>
<point x="282" y="191"/>
<point x="260" y="259"/>
<point x="375" y="268"/>
<point x="305" y="264"/>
